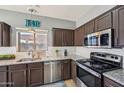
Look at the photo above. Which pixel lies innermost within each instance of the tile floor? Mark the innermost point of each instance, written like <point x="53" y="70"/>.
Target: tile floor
<point x="66" y="83"/>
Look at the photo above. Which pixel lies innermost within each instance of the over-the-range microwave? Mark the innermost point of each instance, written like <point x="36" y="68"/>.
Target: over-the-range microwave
<point x="101" y="39"/>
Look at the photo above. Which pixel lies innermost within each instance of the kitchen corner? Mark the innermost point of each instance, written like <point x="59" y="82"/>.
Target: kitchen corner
<point x="45" y="50"/>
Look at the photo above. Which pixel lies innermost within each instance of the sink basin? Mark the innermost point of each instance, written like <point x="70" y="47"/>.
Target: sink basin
<point x="25" y="59"/>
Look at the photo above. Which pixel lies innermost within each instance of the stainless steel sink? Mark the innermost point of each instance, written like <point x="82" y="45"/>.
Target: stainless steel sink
<point x="25" y="59"/>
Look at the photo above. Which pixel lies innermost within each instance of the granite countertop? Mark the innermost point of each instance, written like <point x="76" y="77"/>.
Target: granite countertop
<point x="116" y="75"/>
<point x="14" y="61"/>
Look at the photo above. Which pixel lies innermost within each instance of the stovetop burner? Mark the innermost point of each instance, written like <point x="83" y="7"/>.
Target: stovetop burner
<point x="97" y="66"/>
<point x="102" y="62"/>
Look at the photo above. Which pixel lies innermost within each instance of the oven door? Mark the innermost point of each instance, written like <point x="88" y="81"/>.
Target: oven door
<point x="89" y="77"/>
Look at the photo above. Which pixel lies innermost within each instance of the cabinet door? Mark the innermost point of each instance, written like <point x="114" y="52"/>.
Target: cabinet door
<point x="103" y="22"/>
<point x="110" y="83"/>
<point x="6" y="35"/>
<point x="79" y="36"/>
<point x="57" y="37"/>
<point x="89" y="27"/>
<point x="68" y="37"/>
<point x="73" y="71"/>
<point x="66" y="69"/>
<point x="17" y="75"/>
<point x="63" y="37"/>
<point x="118" y="25"/>
<point x="35" y="74"/>
<point x="3" y="76"/>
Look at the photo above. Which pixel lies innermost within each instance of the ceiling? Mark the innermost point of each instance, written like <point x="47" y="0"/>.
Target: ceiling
<point x="67" y="12"/>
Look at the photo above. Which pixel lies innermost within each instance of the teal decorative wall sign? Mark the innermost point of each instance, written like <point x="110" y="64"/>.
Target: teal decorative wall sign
<point x="32" y="23"/>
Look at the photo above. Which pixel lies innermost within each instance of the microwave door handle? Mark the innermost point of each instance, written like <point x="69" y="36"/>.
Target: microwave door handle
<point x="99" y="40"/>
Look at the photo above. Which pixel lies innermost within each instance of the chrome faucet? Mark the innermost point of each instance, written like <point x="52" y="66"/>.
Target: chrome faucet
<point x="30" y="52"/>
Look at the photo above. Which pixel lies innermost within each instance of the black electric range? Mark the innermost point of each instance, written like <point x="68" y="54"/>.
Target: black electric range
<point x="90" y="71"/>
<point x="98" y="65"/>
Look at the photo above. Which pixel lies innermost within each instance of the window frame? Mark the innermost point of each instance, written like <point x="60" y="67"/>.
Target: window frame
<point x="37" y="31"/>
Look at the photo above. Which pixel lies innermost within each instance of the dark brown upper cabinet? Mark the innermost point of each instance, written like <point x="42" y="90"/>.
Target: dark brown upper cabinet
<point x="4" y="34"/>
<point x="66" y="69"/>
<point x="3" y="76"/>
<point x="68" y="38"/>
<point x="35" y="74"/>
<point x="17" y="75"/>
<point x="103" y="22"/>
<point x="118" y="26"/>
<point x="79" y="35"/>
<point x="89" y="27"/>
<point x="57" y="37"/>
<point x="63" y="37"/>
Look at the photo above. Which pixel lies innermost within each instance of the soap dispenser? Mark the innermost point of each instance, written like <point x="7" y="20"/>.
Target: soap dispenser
<point x="65" y="52"/>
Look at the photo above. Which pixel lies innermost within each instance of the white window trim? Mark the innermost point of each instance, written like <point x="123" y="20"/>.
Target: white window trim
<point x="26" y="30"/>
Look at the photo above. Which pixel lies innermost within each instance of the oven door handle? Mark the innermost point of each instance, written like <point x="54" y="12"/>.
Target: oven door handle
<point x="89" y="70"/>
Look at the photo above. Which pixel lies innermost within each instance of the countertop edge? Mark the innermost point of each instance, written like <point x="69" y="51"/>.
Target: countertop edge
<point x="11" y="62"/>
<point x="113" y="78"/>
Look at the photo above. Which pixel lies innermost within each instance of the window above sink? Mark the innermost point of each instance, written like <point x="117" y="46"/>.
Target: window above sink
<point x="26" y="40"/>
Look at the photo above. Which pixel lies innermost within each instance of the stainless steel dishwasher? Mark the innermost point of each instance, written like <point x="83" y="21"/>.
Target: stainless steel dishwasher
<point x="52" y="71"/>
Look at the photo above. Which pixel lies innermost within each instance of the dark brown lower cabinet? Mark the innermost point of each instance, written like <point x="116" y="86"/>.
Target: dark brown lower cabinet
<point x="35" y="74"/>
<point x="66" y="69"/>
<point x="110" y="83"/>
<point x="3" y="76"/>
<point x="17" y="75"/>
<point x="73" y="71"/>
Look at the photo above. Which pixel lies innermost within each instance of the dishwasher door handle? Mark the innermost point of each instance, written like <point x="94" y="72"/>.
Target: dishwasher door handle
<point x="47" y="63"/>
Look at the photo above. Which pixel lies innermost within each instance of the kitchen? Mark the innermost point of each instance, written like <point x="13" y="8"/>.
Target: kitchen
<point x="41" y="51"/>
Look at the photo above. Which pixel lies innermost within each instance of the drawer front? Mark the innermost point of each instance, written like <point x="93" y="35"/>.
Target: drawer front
<point x="66" y="61"/>
<point x="3" y="68"/>
<point x="17" y="67"/>
<point x="35" y="65"/>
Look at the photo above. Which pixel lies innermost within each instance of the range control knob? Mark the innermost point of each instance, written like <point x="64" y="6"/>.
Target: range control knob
<point x="99" y="55"/>
<point x="112" y="56"/>
<point x="103" y="55"/>
<point x="116" y="57"/>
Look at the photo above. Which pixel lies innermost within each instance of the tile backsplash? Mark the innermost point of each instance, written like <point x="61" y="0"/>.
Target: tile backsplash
<point x="7" y="50"/>
<point x="51" y="51"/>
<point x="81" y="51"/>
